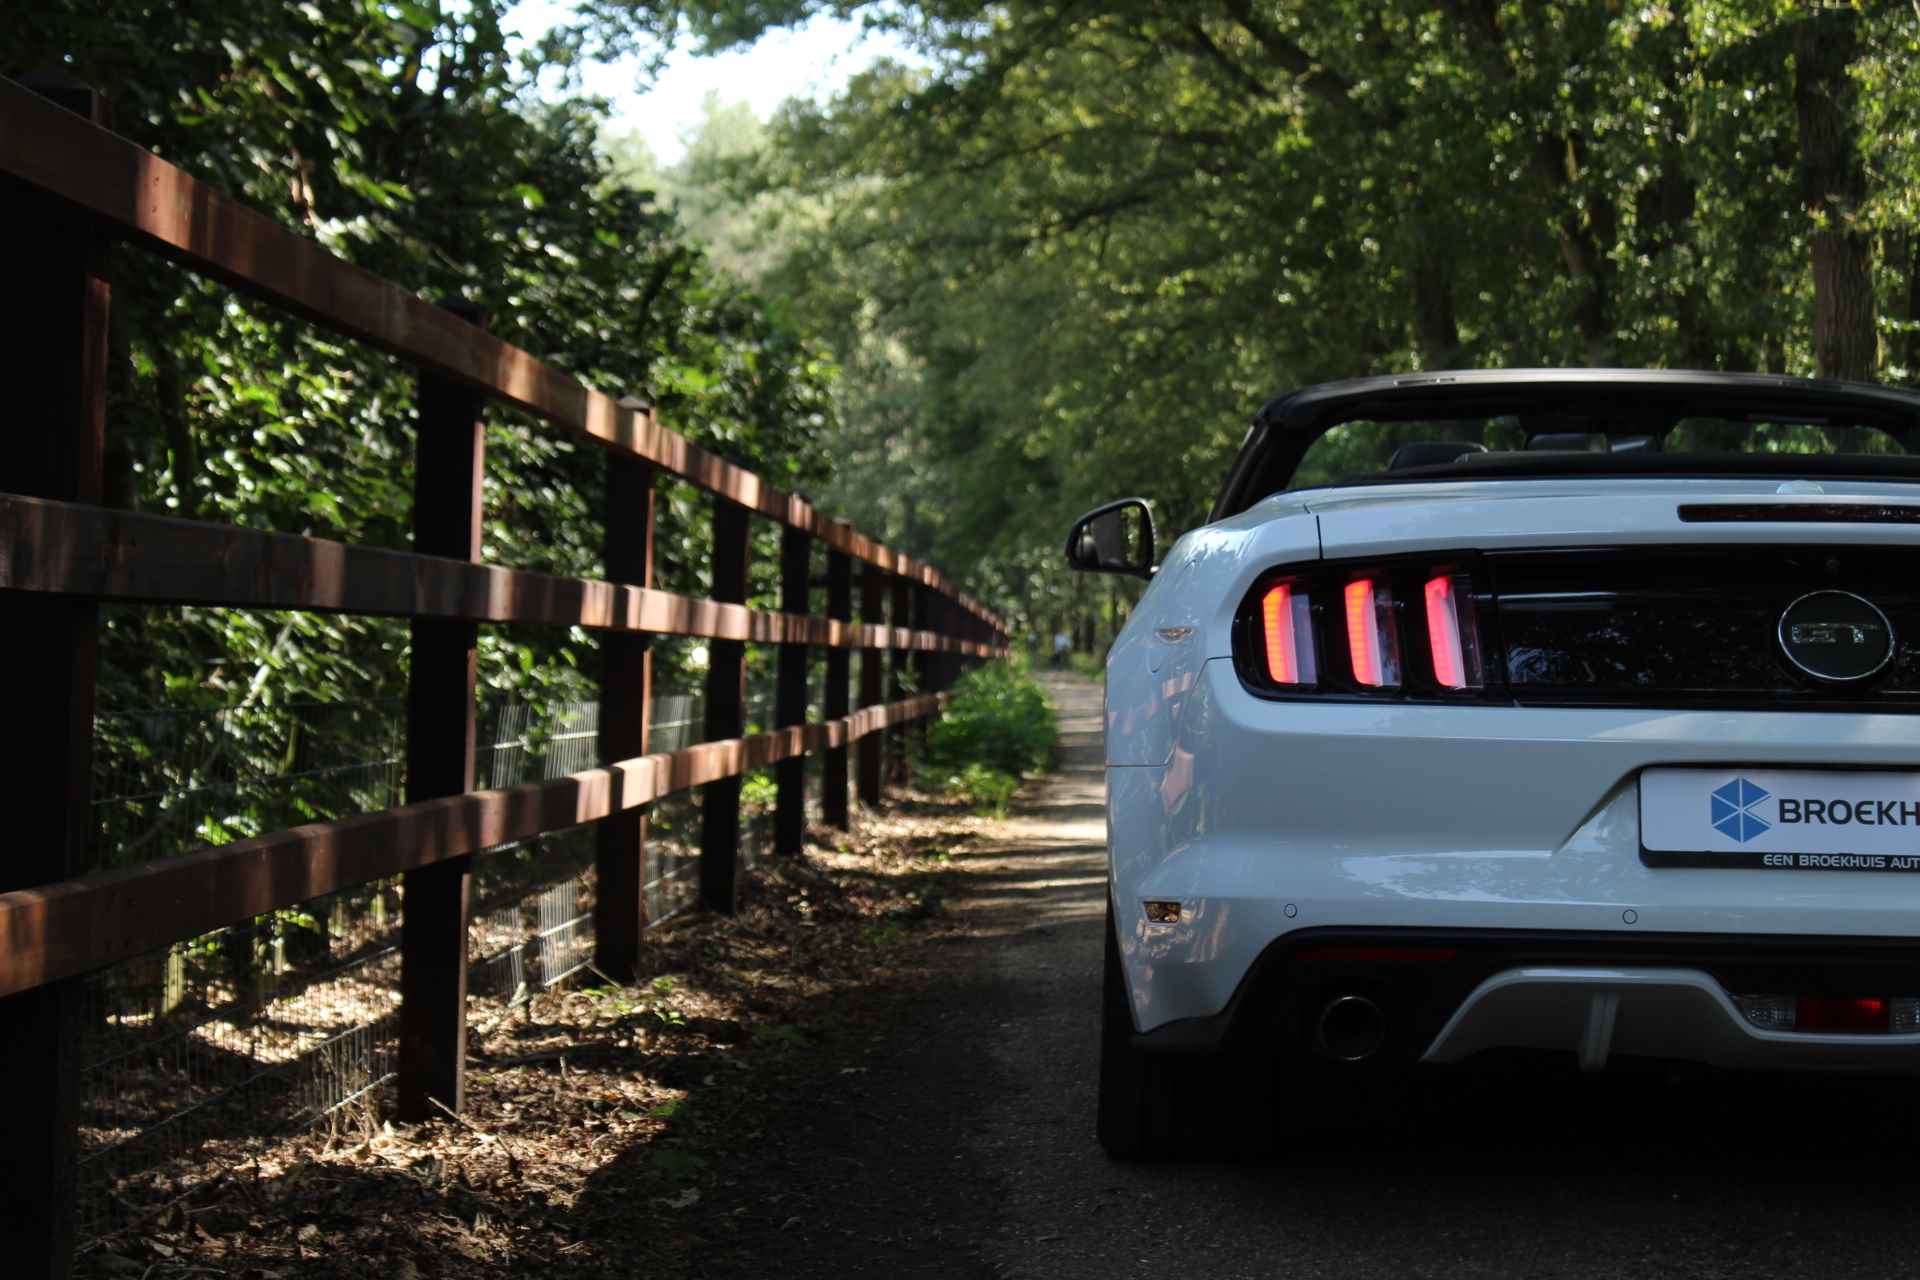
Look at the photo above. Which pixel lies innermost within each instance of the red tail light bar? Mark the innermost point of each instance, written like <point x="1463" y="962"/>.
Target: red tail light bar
<point x="1372" y="639"/>
<point x="1293" y="639"/>
<point x="1286" y="636"/>
<point x="1453" y="632"/>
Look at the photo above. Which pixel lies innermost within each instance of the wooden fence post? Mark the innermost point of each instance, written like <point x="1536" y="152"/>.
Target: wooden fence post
<point x="957" y="625"/>
<point x="923" y="659"/>
<point x="873" y="611"/>
<point x="57" y="351"/>
<point x="833" y="772"/>
<point x="899" y="616"/>
<point x="448" y="472"/>
<point x="626" y="708"/>
<point x="946" y="663"/>
<point x="790" y="698"/>
<point x="726" y="714"/>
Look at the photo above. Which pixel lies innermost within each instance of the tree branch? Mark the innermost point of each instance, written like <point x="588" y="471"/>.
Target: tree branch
<point x="1200" y="42"/>
<point x="1314" y="76"/>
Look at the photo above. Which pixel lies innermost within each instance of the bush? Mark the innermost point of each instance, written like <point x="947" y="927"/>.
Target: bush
<point x="997" y="728"/>
<point x="985" y="788"/>
<point x="1091" y="665"/>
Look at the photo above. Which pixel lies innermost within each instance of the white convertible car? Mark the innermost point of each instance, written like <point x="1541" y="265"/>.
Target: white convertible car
<point x="1552" y="710"/>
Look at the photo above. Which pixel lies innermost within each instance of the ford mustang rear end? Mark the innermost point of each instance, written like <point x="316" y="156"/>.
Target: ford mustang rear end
<point x="1541" y="710"/>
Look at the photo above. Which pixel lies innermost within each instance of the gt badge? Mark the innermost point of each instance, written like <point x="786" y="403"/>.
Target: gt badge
<point x="1836" y="636"/>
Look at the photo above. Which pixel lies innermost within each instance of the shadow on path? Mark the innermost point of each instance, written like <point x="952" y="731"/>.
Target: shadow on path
<point x="961" y="1143"/>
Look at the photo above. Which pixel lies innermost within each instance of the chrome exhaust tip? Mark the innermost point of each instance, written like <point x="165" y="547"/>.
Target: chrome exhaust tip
<point x="1351" y="1029"/>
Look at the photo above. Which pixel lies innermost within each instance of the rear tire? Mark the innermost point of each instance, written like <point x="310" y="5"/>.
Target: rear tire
<point x="1134" y="1119"/>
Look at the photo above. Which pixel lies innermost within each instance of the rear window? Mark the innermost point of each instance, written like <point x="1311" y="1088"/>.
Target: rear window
<point x="1361" y="448"/>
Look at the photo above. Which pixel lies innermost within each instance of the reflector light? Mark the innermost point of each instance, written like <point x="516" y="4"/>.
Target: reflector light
<point x="1370" y="636"/>
<point x="1861" y="1014"/>
<point x="1842" y="1013"/>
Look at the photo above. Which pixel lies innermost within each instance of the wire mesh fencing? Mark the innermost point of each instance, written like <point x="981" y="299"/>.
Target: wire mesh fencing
<point x="168" y="780"/>
<point x="193" y="1054"/>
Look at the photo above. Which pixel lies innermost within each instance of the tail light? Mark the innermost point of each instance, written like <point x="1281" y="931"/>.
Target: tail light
<point x="1286" y="623"/>
<point x="1453" y="633"/>
<point x="1331" y="629"/>
<point x="1373" y="641"/>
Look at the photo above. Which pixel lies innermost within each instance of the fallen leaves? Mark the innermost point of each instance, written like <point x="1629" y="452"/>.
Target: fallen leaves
<point x="593" y="1126"/>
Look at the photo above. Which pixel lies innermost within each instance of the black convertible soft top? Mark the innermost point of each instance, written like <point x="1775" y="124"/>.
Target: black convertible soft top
<point x="1645" y="401"/>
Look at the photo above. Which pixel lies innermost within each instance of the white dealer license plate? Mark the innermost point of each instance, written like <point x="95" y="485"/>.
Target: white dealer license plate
<point x="1790" y="819"/>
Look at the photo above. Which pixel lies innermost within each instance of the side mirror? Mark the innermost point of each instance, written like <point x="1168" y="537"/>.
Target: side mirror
<point x="1116" y="538"/>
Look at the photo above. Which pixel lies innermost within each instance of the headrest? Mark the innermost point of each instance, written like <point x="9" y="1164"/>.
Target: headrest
<point x="1431" y="454"/>
<point x="1563" y="442"/>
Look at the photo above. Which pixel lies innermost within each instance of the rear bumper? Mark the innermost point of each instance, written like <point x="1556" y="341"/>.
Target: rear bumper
<point x="1647" y="1013"/>
<point x="1272" y="818"/>
<point x="1448" y="995"/>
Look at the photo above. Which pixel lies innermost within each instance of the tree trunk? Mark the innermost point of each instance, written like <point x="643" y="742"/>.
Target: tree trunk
<point x="1833" y="184"/>
<point x="1585" y="239"/>
<point x="1436" y="329"/>
<point x="1665" y="217"/>
<point x="1911" y="356"/>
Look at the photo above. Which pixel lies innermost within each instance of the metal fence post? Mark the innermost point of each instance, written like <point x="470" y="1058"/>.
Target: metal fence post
<point x="57" y="349"/>
<point x="448" y="472"/>
<point x="873" y="611"/>
<point x="790" y="697"/>
<point x="626" y="708"/>
<point x="726" y="714"/>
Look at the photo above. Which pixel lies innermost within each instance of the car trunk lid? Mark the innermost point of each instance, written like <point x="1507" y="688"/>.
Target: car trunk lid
<point x="1489" y="515"/>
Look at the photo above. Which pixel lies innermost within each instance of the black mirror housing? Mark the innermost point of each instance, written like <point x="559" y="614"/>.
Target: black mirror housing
<point x="1115" y="538"/>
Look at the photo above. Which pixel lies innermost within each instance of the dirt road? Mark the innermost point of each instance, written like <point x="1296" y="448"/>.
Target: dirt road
<point x="960" y="1142"/>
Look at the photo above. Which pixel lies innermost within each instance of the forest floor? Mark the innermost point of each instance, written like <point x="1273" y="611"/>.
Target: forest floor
<point x="604" y="1125"/>
<point x="884" y="1066"/>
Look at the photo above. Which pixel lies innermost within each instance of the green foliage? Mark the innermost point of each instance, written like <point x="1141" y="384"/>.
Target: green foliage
<point x="998" y="728"/>
<point x="987" y="789"/>
<point x="743" y="237"/>
<point x="410" y="140"/>
<point x="759" y="791"/>
<point x="1066" y="258"/>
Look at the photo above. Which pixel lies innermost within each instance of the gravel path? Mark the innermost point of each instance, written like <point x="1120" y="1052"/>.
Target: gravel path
<point x="961" y="1144"/>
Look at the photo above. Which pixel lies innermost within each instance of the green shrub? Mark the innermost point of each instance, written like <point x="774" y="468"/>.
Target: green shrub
<point x="1091" y="665"/>
<point x="997" y="728"/>
<point x="983" y="787"/>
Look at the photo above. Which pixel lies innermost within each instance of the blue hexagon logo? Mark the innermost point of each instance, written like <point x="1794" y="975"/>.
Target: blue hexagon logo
<point x="1732" y="812"/>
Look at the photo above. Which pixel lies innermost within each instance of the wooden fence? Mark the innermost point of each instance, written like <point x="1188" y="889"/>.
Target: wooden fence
<point x="72" y="188"/>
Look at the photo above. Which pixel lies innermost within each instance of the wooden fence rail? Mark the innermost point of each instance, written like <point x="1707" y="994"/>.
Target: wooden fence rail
<point x="76" y="188"/>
